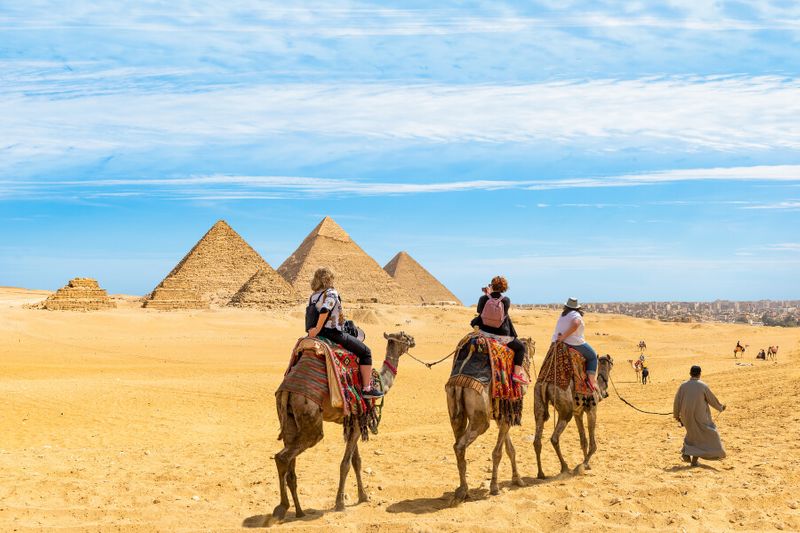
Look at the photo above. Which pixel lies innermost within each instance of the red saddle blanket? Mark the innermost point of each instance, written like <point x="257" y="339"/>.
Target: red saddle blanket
<point x="563" y="364"/>
<point x="505" y="394"/>
<point x="320" y="370"/>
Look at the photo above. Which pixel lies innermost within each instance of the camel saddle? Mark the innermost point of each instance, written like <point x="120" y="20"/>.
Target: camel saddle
<point x="329" y="376"/>
<point x="482" y="360"/>
<point x="563" y="365"/>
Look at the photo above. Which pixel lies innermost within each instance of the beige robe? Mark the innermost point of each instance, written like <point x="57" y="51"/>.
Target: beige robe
<point x="691" y="408"/>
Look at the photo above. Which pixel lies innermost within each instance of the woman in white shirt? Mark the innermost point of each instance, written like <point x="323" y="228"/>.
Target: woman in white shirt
<point x="569" y="330"/>
<point x="329" y="325"/>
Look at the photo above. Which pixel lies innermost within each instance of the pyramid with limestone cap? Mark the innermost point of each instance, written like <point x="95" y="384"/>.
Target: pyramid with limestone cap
<point x="211" y="273"/>
<point x="359" y="278"/>
<point x="415" y="279"/>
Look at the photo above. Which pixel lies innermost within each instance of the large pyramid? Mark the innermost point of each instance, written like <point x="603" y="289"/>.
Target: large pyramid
<point x="211" y="273"/>
<point x="418" y="281"/>
<point x="80" y="294"/>
<point x="266" y="290"/>
<point x="358" y="277"/>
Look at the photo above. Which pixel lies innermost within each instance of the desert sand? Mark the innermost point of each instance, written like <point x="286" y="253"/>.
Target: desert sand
<point x="141" y="420"/>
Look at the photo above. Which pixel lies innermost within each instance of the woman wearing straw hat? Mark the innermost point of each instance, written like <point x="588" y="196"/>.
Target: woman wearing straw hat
<point x="569" y="330"/>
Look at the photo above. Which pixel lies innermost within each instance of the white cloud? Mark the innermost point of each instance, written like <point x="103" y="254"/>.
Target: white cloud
<point x="791" y="205"/>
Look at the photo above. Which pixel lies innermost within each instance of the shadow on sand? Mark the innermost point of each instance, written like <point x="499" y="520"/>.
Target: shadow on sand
<point x="445" y="501"/>
<point x="263" y="520"/>
<point x="681" y="468"/>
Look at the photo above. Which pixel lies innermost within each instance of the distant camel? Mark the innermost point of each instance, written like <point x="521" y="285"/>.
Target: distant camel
<point x="545" y="394"/>
<point x="470" y="415"/>
<point x="636" y="365"/>
<point x="739" y="350"/>
<point x="642" y="346"/>
<point x="772" y="353"/>
<point x="301" y="428"/>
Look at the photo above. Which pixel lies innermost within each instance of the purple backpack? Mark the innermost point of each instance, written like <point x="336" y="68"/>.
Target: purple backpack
<point x="493" y="313"/>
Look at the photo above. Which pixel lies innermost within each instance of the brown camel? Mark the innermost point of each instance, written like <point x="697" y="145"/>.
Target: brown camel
<point x="738" y="350"/>
<point x="546" y="393"/>
<point x="772" y="353"/>
<point x="301" y="428"/>
<point x="470" y="413"/>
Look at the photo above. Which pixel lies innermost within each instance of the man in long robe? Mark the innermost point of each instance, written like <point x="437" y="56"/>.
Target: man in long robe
<point x="691" y="409"/>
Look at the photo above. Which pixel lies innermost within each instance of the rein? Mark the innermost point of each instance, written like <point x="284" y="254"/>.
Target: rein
<point x="430" y="365"/>
<point x="630" y="404"/>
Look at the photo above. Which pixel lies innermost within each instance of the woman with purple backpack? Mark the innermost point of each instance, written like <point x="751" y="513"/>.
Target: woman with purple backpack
<point x="493" y="319"/>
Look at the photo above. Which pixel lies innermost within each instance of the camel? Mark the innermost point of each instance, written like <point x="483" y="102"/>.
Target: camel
<point x="546" y="393"/>
<point x="642" y="346"/>
<point x="636" y="364"/>
<point x="772" y="353"/>
<point x="301" y="428"/>
<point x="470" y="415"/>
<point x="738" y="350"/>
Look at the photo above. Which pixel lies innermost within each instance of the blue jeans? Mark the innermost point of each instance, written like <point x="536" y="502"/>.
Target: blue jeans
<point x="590" y="355"/>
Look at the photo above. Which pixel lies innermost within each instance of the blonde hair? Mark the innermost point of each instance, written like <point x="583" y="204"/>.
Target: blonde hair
<point x="322" y="280"/>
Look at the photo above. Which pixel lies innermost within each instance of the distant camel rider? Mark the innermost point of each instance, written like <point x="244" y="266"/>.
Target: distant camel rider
<point x="493" y="319"/>
<point x="569" y="330"/>
<point x="329" y="325"/>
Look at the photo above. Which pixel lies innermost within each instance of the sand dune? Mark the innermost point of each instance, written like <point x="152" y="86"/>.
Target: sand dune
<point x="140" y="420"/>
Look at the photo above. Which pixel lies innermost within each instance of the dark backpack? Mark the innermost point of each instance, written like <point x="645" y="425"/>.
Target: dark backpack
<point x="312" y="313"/>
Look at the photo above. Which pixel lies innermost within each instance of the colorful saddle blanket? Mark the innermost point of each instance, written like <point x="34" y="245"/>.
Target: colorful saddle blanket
<point x="564" y="364"/>
<point x="318" y="369"/>
<point x="480" y="361"/>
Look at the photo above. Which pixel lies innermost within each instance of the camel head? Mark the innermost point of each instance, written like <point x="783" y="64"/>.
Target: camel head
<point x="402" y="340"/>
<point x="604" y="365"/>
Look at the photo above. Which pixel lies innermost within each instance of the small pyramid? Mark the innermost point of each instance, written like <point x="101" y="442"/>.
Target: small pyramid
<point x="210" y="274"/>
<point x="266" y="290"/>
<point x="359" y="278"/>
<point x="80" y="294"/>
<point x="416" y="280"/>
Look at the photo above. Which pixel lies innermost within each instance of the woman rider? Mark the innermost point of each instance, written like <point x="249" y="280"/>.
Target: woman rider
<point x="329" y="325"/>
<point x="569" y="330"/>
<point x="496" y="288"/>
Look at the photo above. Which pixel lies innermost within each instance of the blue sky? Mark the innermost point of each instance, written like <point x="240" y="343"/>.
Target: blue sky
<point x="645" y="151"/>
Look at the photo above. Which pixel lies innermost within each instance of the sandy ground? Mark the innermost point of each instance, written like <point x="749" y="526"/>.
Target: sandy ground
<point x="140" y="420"/>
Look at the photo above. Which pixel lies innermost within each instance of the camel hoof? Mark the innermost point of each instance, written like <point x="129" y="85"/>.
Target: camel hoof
<point x="363" y="498"/>
<point x="339" y="508"/>
<point x="541" y="475"/>
<point x="518" y="482"/>
<point x="494" y="490"/>
<point x="459" y="497"/>
<point x="579" y="470"/>
<point x="299" y="514"/>
<point x="278" y="514"/>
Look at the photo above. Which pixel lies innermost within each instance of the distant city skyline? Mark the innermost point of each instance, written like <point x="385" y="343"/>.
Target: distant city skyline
<point x="638" y="152"/>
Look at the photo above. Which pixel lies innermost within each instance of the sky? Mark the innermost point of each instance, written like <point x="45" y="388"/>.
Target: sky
<point x="610" y="151"/>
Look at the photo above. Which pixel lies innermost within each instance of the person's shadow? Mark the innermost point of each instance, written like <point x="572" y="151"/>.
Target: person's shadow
<point x="683" y="468"/>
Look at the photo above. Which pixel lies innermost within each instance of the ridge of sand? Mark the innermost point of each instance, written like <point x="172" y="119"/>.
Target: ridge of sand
<point x="359" y="278"/>
<point x="418" y="281"/>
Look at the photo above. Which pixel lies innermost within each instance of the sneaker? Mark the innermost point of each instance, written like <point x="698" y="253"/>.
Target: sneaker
<point x="519" y="378"/>
<point x="372" y="393"/>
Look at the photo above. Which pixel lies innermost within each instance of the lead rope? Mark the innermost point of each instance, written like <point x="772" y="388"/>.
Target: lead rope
<point x="429" y="365"/>
<point x="630" y="404"/>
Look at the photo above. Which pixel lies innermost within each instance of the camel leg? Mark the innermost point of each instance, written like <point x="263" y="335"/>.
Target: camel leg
<point x="497" y="455"/>
<point x="539" y="411"/>
<point x="476" y="427"/>
<point x="584" y="440"/>
<point x="344" y="467"/>
<point x="591" y="416"/>
<point x="362" y="494"/>
<point x="512" y="456"/>
<point x="291" y="480"/>
<point x="563" y="420"/>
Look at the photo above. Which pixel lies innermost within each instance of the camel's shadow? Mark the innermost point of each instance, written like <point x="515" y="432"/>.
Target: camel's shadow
<point x="264" y="520"/>
<point x="445" y="501"/>
<point x="682" y="468"/>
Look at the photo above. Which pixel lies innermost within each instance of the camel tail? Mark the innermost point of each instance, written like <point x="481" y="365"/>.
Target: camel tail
<point x="282" y="404"/>
<point x="458" y="393"/>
